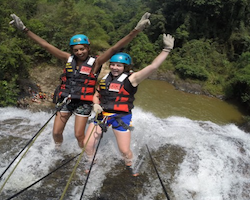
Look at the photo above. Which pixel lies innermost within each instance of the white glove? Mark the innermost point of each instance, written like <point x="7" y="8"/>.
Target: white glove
<point x="168" y="41"/>
<point x="97" y="108"/>
<point x="143" y="22"/>
<point x="17" y="22"/>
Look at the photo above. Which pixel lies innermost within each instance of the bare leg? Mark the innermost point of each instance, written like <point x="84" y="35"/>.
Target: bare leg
<point x="80" y="125"/>
<point x="59" y="125"/>
<point x="92" y="136"/>
<point x="123" y="140"/>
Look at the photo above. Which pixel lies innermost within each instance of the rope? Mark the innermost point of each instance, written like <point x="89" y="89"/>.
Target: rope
<point x="30" y="143"/>
<point x="25" y="147"/>
<point x="93" y="160"/>
<point x="77" y="163"/>
<point x="164" y="189"/>
<point x="42" y="178"/>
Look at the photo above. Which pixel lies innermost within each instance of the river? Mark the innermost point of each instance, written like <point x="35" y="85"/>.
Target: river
<point x="198" y="150"/>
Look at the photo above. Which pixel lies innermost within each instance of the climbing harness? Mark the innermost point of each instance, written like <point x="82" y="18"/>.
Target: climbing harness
<point x="164" y="189"/>
<point x="121" y="123"/>
<point x="66" y="101"/>
<point x="76" y="165"/>
<point x="30" y="143"/>
<point x="117" y="118"/>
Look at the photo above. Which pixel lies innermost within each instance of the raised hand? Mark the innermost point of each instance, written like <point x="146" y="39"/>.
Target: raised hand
<point x="168" y="42"/>
<point x="143" y="22"/>
<point x="17" y="22"/>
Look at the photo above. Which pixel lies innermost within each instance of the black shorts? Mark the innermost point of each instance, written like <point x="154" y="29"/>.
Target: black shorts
<point x="78" y="107"/>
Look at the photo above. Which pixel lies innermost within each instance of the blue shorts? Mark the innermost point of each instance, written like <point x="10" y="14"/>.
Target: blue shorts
<point x="112" y="121"/>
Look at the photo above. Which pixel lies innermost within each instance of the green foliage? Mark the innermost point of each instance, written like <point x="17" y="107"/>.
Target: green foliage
<point x="243" y="61"/>
<point x="193" y="72"/>
<point x="182" y="33"/>
<point x="212" y="38"/>
<point x="8" y="92"/>
<point x="198" y="59"/>
<point x="94" y="23"/>
<point x="141" y="51"/>
<point x="13" y="65"/>
<point x="217" y="19"/>
<point x="12" y="60"/>
<point x="240" y="81"/>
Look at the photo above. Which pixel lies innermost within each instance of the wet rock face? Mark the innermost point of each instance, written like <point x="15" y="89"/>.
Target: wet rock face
<point x="245" y="127"/>
<point x="120" y="184"/>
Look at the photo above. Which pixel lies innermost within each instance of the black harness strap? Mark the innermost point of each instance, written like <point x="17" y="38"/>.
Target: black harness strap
<point x="121" y="123"/>
<point x="102" y="125"/>
<point x="118" y="119"/>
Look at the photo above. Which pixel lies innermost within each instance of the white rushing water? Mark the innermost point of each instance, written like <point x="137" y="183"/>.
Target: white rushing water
<point x="215" y="165"/>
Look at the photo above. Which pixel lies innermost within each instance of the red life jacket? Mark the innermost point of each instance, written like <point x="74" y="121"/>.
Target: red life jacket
<point x="113" y="96"/>
<point x="78" y="81"/>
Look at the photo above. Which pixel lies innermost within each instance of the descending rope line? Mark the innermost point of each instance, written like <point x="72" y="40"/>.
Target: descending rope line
<point x="29" y="144"/>
<point x="43" y="177"/>
<point x="77" y="163"/>
<point x="92" y="163"/>
<point x="25" y="146"/>
<point x="164" y="189"/>
<point x="93" y="160"/>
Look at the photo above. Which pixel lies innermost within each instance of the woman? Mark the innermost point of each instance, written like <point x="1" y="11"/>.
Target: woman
<point x="79" y="77"/>
<point x="115" y="96"/>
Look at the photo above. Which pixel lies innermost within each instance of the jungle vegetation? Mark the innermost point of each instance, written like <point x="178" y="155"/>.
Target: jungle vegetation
<point x="212" y="38"/>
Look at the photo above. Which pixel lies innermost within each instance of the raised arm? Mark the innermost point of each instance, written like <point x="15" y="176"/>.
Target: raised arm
<point x="139" y="76"/>
<point x="43" y="43"/>
<point x="121" y="43"/>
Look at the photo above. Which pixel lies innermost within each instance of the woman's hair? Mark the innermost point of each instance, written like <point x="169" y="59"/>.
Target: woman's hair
<point x="127" y="68"/>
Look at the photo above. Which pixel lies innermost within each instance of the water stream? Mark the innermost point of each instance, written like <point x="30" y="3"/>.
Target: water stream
<point x="199" y="152"/>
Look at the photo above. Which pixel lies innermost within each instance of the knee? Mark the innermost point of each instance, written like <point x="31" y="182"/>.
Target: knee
<point x="79" y="135"/>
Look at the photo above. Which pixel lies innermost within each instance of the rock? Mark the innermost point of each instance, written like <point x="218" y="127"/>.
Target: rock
<point x="179" y="84"/>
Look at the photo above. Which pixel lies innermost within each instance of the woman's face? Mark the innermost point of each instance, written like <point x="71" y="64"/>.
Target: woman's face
<point x="80" y="51"/>
<point x="116" y="68"/>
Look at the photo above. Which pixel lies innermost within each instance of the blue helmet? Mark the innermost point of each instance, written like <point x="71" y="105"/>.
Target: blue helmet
<point x="79" y="39"/>
<point x="121" y="58"/>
